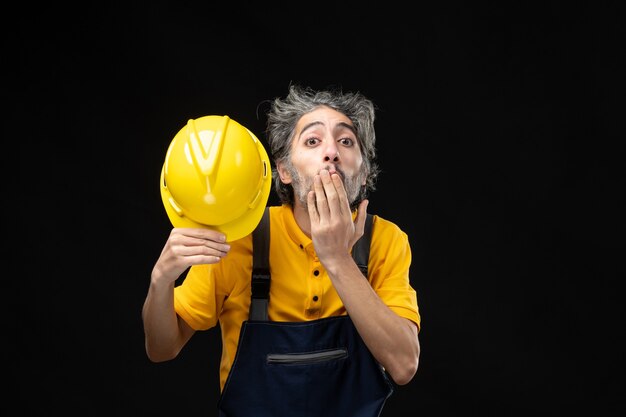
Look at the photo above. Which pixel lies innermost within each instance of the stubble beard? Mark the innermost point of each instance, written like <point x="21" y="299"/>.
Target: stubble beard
<point x="301" y="186"/>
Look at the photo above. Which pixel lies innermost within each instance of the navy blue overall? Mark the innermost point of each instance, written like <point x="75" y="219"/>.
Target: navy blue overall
<point x="318" y="368"/>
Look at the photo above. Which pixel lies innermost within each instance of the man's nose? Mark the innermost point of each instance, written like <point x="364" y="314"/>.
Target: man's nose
<point x="331" y="153"/>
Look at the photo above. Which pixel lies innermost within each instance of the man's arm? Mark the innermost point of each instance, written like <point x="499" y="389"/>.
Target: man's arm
<point x="165" y="332"/>
<point x="393" y="340"/>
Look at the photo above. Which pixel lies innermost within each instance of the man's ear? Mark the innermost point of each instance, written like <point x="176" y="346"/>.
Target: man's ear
<point x="283" y="173"/>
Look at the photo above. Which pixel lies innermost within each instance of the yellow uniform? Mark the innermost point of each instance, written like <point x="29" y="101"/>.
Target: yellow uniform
<point x="300" y="288"/>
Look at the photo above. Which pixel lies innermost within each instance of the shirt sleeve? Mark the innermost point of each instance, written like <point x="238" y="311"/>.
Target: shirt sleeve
<point x="202" y="296"/>
<point x="389" y="263"/>
<point x="196" y="300"/>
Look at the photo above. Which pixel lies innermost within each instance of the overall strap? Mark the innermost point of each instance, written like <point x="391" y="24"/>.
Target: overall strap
<point x="261" y="270"/>
<point x="361" y="249"/>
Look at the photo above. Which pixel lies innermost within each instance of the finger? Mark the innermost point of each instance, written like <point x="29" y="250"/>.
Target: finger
<point x="312" y="206"/>
<point x="203" y="260"/>
<point x="321" y="201"/>
<point x="360" y="218"/>
<point x="332" y="196"/>
<point x="201" y="233"/>
<point x="180" y="239"/>
<point x="202" y="250"/>
<point x="342" y="196"/>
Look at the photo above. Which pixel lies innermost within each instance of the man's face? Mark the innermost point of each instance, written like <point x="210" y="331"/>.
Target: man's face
<point x="324" y="139"/>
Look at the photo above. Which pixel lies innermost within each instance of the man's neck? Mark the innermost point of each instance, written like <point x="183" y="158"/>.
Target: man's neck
<point x="301" y="214"/>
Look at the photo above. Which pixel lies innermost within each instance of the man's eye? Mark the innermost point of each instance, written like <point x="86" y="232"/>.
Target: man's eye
<point x="311" y="141"/>
<point x="346" y="141"/>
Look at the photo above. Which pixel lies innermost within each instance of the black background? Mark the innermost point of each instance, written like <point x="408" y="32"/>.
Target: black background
<point x="500" y="139"/>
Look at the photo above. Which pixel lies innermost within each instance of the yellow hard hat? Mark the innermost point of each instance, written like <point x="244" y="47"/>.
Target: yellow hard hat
<point x="216" y="175"/>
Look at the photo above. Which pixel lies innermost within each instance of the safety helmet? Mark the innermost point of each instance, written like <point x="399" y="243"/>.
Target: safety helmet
<point x="216" y="175"/>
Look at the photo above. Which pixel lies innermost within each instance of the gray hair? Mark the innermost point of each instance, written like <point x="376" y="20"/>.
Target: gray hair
<point x="285" y="113"/>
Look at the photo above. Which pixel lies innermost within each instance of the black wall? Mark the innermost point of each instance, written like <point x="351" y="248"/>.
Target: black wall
<point x="500" y="139"/>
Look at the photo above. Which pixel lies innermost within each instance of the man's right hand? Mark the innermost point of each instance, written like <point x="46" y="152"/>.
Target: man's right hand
<point x="186" y="247"/>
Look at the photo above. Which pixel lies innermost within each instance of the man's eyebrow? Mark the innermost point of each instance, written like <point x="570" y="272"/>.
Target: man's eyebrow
<point x="308" y="126"/>
<point x="347" y="126"/>
<point x="339" y="125"/>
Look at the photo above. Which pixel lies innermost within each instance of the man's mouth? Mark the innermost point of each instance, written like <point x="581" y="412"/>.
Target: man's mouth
<point x="333" y="170"/>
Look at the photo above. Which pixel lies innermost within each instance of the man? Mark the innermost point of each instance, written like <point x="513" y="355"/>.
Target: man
<point x="323" y="147"/>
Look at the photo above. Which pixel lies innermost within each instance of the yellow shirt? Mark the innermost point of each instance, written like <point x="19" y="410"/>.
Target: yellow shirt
<point x="300" y="288"/>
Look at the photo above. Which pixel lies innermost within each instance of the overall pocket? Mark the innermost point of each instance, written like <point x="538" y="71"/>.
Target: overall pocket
<point x="306" y="358"/>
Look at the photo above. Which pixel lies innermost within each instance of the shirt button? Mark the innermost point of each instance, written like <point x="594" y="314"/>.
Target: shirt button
<point x="316" y="272"/>
<point x="315" y="298"/>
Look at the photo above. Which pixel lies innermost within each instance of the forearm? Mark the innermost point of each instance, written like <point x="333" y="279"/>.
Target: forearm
<point x="163" y="337"/>
<point x="391" y="339"/>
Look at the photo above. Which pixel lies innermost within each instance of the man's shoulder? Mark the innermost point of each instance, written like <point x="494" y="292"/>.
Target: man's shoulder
<point x="385" y="227"/>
